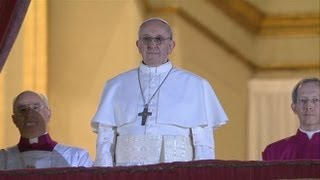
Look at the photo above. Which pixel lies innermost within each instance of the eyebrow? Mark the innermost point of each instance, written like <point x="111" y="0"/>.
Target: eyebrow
<point x="24" y="104"/>
<point x="158" y="35"/>
<point x="312" y="96"/>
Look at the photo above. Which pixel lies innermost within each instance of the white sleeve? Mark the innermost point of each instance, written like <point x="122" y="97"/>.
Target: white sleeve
<point x="105" y="146"/>
<point x="84" y="159"/>
<point x="203" y="143"/>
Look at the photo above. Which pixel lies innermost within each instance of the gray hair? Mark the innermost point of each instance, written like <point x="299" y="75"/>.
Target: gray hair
<point x="169" y="30"/>
<point x="299" y="84"/>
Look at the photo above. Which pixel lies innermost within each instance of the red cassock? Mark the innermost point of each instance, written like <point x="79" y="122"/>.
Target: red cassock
<point x="295" y="147"/>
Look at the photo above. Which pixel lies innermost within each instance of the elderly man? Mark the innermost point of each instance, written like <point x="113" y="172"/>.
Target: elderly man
<point x="36" y="149"/>
<point x="156" y="113"/>
<point x="306" y="143"/>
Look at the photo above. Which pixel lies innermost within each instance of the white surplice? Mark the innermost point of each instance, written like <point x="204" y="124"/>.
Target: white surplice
<point x="60" y="156"/>
<point x="185" y="110"/>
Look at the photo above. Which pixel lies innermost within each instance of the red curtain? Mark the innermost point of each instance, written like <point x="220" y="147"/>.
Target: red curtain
<point x="197" y="170"/>
<point x="12" y="13"/>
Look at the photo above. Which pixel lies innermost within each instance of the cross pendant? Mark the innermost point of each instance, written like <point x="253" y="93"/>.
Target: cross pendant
<point x="144" y="115"/>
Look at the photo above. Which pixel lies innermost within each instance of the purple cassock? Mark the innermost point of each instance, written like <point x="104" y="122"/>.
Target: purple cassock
<point x="295" y="147"/>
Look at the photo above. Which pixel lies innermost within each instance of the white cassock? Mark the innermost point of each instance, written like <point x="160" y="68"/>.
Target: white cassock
<point x="185" y="110"/>
<point x="60" y="156"/>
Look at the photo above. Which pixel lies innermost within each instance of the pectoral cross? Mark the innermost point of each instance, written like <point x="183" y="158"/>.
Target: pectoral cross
<point x="144" y="115"/>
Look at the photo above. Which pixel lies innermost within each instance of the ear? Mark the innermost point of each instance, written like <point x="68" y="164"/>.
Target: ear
<point x="172" y="44"/>
<point x="294" y="108"/>
<point x="15" y="119"/>
<point x="48" y="115"/>
<point x="138" y="44"/>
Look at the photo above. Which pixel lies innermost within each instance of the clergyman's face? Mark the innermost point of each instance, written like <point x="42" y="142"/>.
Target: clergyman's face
<point x="31" y="115"/>
<point x="155" y="43"/>
<point x="307" y="106"/>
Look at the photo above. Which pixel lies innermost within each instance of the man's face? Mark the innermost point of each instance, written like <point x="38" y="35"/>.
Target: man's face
<point x="154" y="43"/>
<point x="31" y="115"/>
<point x="307" y="106"/>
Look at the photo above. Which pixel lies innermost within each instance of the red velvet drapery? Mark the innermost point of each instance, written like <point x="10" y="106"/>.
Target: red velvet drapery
<point x="197" y="170"/>
<point x="12" y="13"/>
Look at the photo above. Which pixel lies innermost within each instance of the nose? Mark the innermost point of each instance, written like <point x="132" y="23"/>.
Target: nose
<point x="28" y="113"/>
<point x="152" y="43"/>
<point x="309" y="105"/>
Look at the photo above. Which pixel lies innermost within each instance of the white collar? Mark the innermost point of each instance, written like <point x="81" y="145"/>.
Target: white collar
<point x="159" y="69"/>
<point x="309" y="133"/>
<point x="35" y="140"/>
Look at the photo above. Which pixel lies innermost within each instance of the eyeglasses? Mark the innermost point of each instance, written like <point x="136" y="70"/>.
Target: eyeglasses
<point x="25" y="108"/>
<point x="158" y="40"/>
<point x="304" y="101"/>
